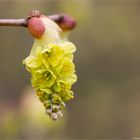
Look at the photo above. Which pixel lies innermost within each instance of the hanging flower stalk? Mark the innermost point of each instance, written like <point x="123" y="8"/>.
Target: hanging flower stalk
<point x="50" y="62"/>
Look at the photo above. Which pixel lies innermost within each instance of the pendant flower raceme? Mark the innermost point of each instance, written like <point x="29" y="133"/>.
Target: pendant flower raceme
<point x="52" y="69"/>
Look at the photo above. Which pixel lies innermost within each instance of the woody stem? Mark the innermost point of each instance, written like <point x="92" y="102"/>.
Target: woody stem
<point x="23" y="22"/>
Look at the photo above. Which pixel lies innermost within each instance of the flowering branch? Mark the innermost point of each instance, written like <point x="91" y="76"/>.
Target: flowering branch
<point x="51" y="58"/>
<point x="64" y="21"/>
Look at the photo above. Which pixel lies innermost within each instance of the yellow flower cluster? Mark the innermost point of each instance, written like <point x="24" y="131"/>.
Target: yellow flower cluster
<point x="52" y="69"/>
<point x="52" y="75"/>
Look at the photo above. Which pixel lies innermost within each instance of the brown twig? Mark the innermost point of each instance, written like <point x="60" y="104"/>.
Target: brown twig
<point x="23" y="22"/>
<point x="13" y="22"/>
<point x="64" y="21"/>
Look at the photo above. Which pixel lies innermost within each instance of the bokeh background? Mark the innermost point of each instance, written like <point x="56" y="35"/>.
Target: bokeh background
<point x="107" y="93"/>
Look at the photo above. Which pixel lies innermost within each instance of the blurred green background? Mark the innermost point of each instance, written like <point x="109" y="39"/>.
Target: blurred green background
<point x="107" y="93"/>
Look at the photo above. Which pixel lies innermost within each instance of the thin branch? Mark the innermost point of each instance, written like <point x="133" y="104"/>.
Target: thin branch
<point x="13" y="22"/>
<point x="23" y="22"/>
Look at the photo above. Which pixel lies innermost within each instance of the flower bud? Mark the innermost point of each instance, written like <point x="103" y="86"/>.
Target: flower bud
<point x="36" y="27"/>
<point x="66" y="22"/>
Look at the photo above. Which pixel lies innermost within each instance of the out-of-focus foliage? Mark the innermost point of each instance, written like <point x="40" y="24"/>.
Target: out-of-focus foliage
<point x="107" y="94"/>
<point x="29" y="121"/>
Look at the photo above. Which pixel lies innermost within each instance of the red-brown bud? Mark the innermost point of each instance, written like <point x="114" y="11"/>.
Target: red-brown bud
<point x="66" y="22"/>
<point x="36" y="27"/>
